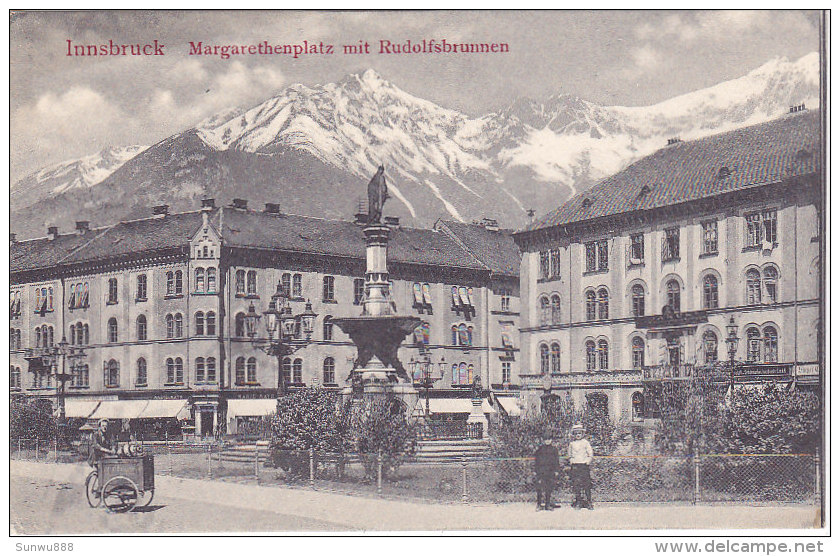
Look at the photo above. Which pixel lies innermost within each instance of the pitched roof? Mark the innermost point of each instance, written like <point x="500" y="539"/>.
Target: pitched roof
<point x="747" y="157"/>
<point x="494" y="248"/>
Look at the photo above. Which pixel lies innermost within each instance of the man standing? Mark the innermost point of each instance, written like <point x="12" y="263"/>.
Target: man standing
<point x="580" y="456"/>
<point x="546" y="464"/>
<point x="377" y="195"/>
<point x="100" y="444"/>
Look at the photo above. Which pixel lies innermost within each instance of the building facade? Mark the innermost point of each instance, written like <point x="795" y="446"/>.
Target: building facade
<point x="157" y="307"/>
<point x="639" y="277"/>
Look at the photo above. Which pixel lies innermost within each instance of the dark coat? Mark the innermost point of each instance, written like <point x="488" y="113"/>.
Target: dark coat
<point x="546" y="460"/>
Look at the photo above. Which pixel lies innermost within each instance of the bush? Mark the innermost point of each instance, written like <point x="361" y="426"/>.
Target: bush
<point x="32" y="418"/>
<point x="379" y="424"/>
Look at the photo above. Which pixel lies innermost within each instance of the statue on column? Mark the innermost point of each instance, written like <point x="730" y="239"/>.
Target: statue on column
<point x="377" y="195"/>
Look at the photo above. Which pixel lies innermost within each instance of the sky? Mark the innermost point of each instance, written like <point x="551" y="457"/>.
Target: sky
<point x="64" y="107"/>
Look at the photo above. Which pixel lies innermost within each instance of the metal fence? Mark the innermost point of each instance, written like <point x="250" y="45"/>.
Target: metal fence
<point x="704" y="479"/>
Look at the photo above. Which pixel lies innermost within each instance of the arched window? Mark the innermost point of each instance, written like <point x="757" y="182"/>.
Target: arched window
<point x="463" y="338"/>
<point x="179" y="370"/>
<point x="142" y="376"/>
<point x="38" y="338"/>
<point x="72" y="335"/>
<point x="199" y="369"/>
<point x="84" y="338"/>
<point x="638" y="403"/>
<point x="240" y="371"/>
<point x="710" y="347"/>
<point x="199" y="280"/>
<point x="141" y="328"/>
<point x="603" y="355"/>
<point x="591" y="305"/>
<point x="469" y="335"/>
<point x="328" y="328"/>
<point x="555" y="309"/>
<point x="179" y="325"/>
<point x="113" y="335"/>
<point x="591" y="360"/>
<point x="199" y="323"/>
<point x="771" y="345"/>
<point x="141" y="287"/>
<point x="251" y="369"/>
<point x="638" y="295"/>
<point x="239" y="325"/>
<point x="672" y="290"/>
<point x="638" y="353"/>
<point x="112" y="374"/>
<point x="287" y="371"/>
<point x="329" y="370"/>
<point x="753" y="345"/>
<point x="710" y="292"/>
<point x="771" y="280"/>
<point x="297" y="371"/>
<point x="555" y="357"/>
<point x="753" y="287"/>
<point x="211" y="369"/>
<point x="603" y="304"/>
<point x="211" y="280"/>
<point x="545" y="311"/>
<point x="170" y="326"/>
<point x="297" y="285"/>
<point x="210" y="323"/>
<point x="545" y="360"/>
<point x="240" y="282"/>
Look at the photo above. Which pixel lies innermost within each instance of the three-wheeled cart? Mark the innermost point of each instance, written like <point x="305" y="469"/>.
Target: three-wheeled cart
<point x="121" y="482"/>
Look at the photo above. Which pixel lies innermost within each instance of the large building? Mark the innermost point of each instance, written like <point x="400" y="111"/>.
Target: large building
<point x="158" y="306"/>
<point x="638" y="277"/>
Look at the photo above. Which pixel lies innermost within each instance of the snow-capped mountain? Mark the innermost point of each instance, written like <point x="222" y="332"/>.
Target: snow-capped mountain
<point x="313" y="148"/>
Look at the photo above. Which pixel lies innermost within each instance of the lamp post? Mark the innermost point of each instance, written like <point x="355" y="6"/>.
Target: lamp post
<point x="732" y="346"/>
<point x="424" y="366"/>
<point x="284" y="330"/>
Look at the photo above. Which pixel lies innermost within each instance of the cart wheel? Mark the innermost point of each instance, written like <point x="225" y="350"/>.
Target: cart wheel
<point x="120" y="494"/>
<point x="92" y="492"/>
<point x="151" y="494"/>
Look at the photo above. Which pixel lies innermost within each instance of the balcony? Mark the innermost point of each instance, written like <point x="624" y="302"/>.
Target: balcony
<point x="744" y="372"/>
<point x="672" y="320"/>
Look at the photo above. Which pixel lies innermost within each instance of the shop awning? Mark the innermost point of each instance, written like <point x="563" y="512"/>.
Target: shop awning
<point x="452" y="405"/>
<point x="157" y="409"/>
<point x="251" y="408"/>
<point x="79" y="408"/>
<point x="510" y="405"/>
<point x="120" y="409"/>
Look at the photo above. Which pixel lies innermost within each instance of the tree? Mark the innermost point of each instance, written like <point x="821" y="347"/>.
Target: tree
<point x="31" y="418"/>
<point x="379" y="425"/>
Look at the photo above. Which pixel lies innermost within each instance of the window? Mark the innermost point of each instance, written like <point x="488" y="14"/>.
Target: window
<point x="170" y="326"/>
<point x="555" y="357"/>
<point x="710" y="292"/>
<point x="170" y="283"/>
<point x="329" y="370"/>
<point x="590" y="355"/>
<point x="637" y="293"/>
<point x="199" y="280"/>
<point x="252" y="282"/>
<point x="591" y="305"/>
<point x="603" y="355"/>
<point x="505" y="372"/>
<point x="769" y="220"/>
<point x="210" y="323"/>
<point x="14" y="339"/>
<point x="113" y="335"/>
<point x="638" y="353"/>
<point x="287" y="370"/>
<point x="597" y="256"/>
<point x="545" y="360"/>
<point x="753" y="287"/>
<point x="638" y="404"/>
<point x="591" y="257"/>
<point x="179" y="282"/>
<point x="754" y="234"/>
<point x="142" y="329"/>
<point x="328" y="293"/>
<point x="174" y="370"/>
<point x="297" y="285"/>
<point x="199" y="369"/>
<point x="239" y="325"/>
<point x="80" y="376"/>
<point x="545" y="311"/>
<point x="545" y="264"/>
<point x="555" y="309"/>
<point x="211" y="369"/>
<point x="671" y="244"/>
<point x="753" y="345"/>
<point x="603" y="304"/>
<point x="141" y="287"/>
<point x="251" y="369"/>
<point x="240" y="371"/>
<point x="672" y="292"/>
<point x="199" y="324"/>
<point x="297" y="370"/>
<point x="504" y="299"/>
<point x="286" y="283"/>
<point x="112" y="374"/>
<point x="454" y="335"/>
<point x="710" y="347"/>
<point x="328" y="328"/>
<point x="142" y="375"/>
<point x="358" y="290"/>
<point x="421" y="335"/>
<point x="179" y="325"/>
<point x="14" y="303"/>
<point x="211" y="280"/>
<point x="771" y="279"/>
<point x="762" y="229"/>
<point x="554" y="255"/>
<point x="771" y="345"/>
<point x="239" y="280"/>
<point x="710" y="237"/>
<point x="637" y="249"/>
<point x="112" y="291"/>
<point x="14" y="377"/>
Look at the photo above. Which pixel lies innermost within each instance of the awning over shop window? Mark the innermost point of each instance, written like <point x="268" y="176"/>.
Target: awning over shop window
<point x="510" y="405"/>
<point x="120" y="409"/>
<point x="157" y="409"/>
<point x="79" y="408"/>
<point x="251" y="408"/>
<point x="452" y="405"/>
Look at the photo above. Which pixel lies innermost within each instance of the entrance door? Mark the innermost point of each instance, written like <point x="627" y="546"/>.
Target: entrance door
<point x="206" y="423"/>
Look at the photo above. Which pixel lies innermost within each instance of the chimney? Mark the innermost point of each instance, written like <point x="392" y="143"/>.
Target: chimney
<point x="240" y="204"/>
<point x="52" y="232"/>
<point x="392" y="222"/>
<point x="674" y="140"/>
<point x="12" y="238"/>
<point x="272" y="208"/>
<point x="361" y="218"/>
<point x="208" y="204"/>
<point x="82" y="227"/>
<point x="489" y="224"/>
<point x="160" y="210"/>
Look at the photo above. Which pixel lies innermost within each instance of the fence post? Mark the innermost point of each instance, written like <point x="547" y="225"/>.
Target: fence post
<point x="817" y="470"/>
<point x="36" y="449"/>
<point x="169" y="455"/>
<point x="55" y="450"/>
<point x="379" y="473"/>
<point x="18" y="452"/>
<point x="464" y="481"/>
<point x="696" y="479"/>
<point x="257" y="460"/>
<point x="209" y="456"/>
<point x="311" y="467"/>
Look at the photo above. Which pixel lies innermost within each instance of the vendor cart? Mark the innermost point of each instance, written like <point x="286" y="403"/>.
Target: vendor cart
<point x="121" y="482"/>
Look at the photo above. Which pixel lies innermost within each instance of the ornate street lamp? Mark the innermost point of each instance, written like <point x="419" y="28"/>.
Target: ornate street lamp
<point x="425" y="367"/>
<point x="284" y="330"/>
<point x="732" y="346"/>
